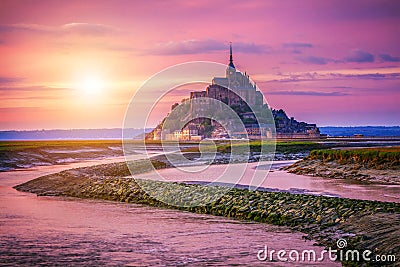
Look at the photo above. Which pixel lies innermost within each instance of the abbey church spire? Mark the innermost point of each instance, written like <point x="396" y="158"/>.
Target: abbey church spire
<point x="230" y="57"/>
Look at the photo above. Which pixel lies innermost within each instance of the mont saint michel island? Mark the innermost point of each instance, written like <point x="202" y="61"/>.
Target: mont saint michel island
<point x="241" y="94"/>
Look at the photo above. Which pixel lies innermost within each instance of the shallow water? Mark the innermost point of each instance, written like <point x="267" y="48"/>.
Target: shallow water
<point x="65" y="231"/>
<point x="282" y="180"/>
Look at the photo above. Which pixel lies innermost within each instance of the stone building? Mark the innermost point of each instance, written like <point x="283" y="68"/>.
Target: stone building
<point x="237" y="91"/>
<point x="241" y="88"/>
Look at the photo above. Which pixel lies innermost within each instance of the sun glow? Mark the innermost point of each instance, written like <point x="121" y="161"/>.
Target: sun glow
<point x="92" y="85"/>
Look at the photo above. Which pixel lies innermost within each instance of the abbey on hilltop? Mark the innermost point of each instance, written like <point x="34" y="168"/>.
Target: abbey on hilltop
<point x="238" y="92"/>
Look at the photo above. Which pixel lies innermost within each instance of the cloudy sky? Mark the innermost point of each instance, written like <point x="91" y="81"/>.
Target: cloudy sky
<point x="76" y="64"/>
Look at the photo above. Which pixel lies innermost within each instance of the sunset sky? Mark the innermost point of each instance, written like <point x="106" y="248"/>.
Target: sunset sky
<point x="76" y="64"/>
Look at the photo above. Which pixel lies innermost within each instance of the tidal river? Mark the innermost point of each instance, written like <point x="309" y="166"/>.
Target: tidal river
<point x="50" y="231"/>
<point x="283" y="181"/>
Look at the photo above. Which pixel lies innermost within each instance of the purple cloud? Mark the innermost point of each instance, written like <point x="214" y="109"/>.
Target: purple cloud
<point x="32" y="89"/>
<point x="369" y="76"/>
<point x="360" y="56"/>
<point x="296" y="48"/>
<point x="25" y="27"/>
<point x="78" y="28"/>
<point x="314" y="76"/>
<point x="308" y="93"/>
<point x="250" y="48"/>
<point x="389" y="58"/>
<point x="8" y="80"/>
<point x="195" y="46"/>
<point x="364" y="10"/>
<point x="88" y="29"/>
<point x="315" y="60"/>
<point x="295" y="45"/>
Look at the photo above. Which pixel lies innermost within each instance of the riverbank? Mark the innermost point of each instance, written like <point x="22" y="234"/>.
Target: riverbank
<point x="324" y="219"/>
<point x="372" y="165"/>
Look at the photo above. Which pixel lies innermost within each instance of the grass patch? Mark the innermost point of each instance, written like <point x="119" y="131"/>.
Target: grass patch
<point x="286" y="147"/>
<point x="374" y="158"/>
<point x="22" y="145"/>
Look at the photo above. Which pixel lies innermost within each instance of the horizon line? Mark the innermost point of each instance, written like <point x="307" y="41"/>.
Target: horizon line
<point x="120" y="128"/>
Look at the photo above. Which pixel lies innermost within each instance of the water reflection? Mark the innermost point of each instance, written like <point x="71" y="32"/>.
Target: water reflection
<point x="57" y="231"/>
<point x="282" y="180"/>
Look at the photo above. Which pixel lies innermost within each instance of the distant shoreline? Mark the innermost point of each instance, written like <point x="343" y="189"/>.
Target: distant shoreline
<point x="116" y="133"/>
<point x="329" y="138"/>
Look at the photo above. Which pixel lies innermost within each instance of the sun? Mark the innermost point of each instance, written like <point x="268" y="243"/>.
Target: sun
<point x="92" y="85"/>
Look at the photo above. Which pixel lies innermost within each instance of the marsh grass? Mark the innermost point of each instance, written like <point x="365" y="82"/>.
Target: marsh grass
<point x="280" y="146"/>
<point x="23" y="145"/>
<point x="373" y="158"/>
